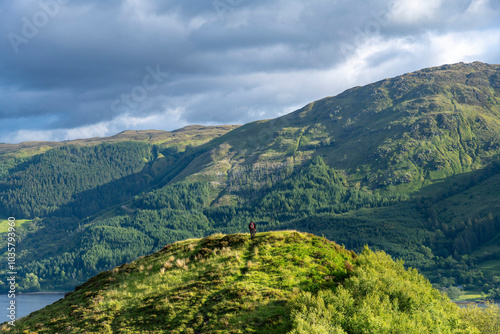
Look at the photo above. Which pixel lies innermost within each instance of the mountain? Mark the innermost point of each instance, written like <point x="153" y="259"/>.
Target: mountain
<point x="407" y="165"/>
<point x="280" y="282"/>
<point x="413" y="129"/>
<point x="193" y="135"/>
<point x="37" y="185"/>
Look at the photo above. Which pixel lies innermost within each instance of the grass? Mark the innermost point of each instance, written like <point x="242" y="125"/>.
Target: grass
<point x="4" y="224"/>
<point x="232" y="284"/>
<point x="491" y="247"/>
<point x="472" y="295"/>
<point x="228" y="284"/>
<point x="491" y="267"/>
<point x="279" y="282"/>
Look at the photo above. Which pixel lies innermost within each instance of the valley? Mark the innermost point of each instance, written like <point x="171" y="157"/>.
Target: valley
<point x="408" y="165"/>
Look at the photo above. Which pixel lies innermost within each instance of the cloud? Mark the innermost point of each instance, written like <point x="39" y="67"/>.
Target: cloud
<point x="99" y="129"/>
<point x="232" y="63"/>
<point x="455" y="47"/>
<point x="415" y="11"/>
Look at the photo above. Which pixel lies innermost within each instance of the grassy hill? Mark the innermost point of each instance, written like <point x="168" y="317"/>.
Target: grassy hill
<point x="280" y="282"/>
<point x="407" y="165"/>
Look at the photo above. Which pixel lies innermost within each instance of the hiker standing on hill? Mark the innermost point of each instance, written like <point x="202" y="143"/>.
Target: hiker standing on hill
<point x="253" y="229"/>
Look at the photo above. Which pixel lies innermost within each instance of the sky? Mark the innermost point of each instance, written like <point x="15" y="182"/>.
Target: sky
<point x="76" y="69"/>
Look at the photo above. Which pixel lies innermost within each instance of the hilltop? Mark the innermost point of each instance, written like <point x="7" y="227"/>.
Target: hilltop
<point x="409" y="165"/>
<point x="191" y="134"/>
<point x="281" y="282"/>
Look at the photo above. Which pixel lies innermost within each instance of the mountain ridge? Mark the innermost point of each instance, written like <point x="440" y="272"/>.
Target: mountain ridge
<point x="144" y="135"/>
<point x="383" y="162"/>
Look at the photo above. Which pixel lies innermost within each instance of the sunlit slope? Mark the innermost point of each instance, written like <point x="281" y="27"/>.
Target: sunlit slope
<point x="280" y="282"/>
<point x="405" y="131"/>
<point x="38" y="179"/>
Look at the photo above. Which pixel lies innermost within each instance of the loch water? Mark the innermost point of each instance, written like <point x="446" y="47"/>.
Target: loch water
<point x="25" y="303"/>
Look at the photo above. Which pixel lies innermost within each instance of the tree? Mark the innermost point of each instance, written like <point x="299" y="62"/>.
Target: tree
<point x="30" y="283"/>
<point x="454" y="293"/>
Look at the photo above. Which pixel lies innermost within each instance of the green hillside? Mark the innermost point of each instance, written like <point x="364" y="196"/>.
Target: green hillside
<point x="417" y="127"/>
<point x="82" y="177"/>
<point x="407" y="165"/>
<point x="280" y="282"/>
<point x="193" y="135"/>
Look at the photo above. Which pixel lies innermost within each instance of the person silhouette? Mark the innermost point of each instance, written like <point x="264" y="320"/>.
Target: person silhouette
<point x="253" y="229"/>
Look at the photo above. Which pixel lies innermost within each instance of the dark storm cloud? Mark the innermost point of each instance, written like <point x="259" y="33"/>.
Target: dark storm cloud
<point x="73" y="68"/>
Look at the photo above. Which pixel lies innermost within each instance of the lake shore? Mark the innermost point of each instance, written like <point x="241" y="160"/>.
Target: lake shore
<point x="475" y="302"/>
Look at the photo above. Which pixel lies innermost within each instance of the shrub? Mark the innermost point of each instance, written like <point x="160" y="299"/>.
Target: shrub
<point x="182" y="263"/>
<point x="380" y="297"/>
<point x="486" y="319"/>
<point x="453" y="292"/>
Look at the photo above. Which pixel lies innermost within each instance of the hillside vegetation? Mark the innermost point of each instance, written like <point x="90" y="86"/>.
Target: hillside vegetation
<point x="408" y="165"/>
<point x="280" y="282"/>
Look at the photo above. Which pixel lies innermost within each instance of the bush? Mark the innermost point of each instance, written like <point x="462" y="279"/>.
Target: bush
<point x="380" y="297"/>
<point x="454" y="293"/>
<point x="486" y="319"/>
<point x="494" y="293"/>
